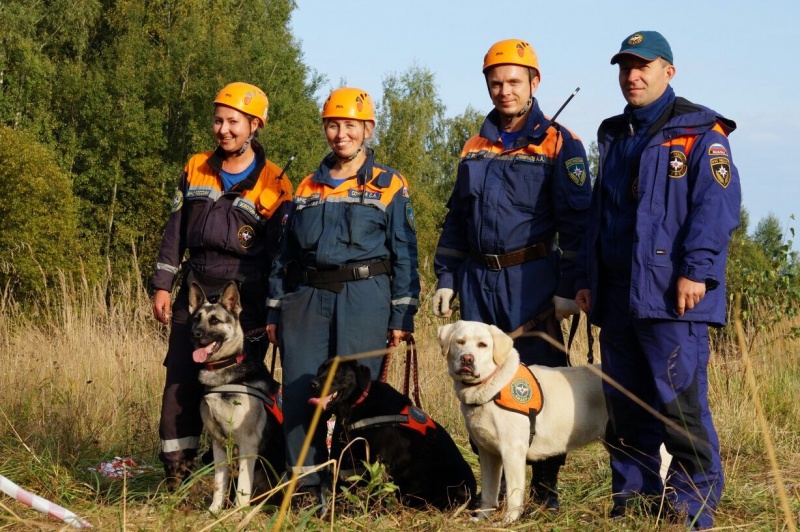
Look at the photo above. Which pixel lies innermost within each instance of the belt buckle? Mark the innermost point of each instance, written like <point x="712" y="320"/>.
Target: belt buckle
<point x="493" y="262"/>
<point x="361" y="272"/>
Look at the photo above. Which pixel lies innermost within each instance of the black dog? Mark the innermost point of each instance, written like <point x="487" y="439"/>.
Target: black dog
<point x="419" y="455"/>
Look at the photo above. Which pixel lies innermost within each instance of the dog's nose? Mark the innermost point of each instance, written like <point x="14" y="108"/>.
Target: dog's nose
<point x="314" y="385"/>
<point x="467" y="360"/>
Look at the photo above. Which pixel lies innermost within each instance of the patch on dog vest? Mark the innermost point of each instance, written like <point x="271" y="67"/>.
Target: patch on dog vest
<point x="417" y="419"/>
<point x="274" y="405"/>
<point x="523" y="394"/>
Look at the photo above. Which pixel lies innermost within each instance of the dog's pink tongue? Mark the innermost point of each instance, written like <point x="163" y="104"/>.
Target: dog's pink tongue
<point x="314" y="401"/>
<point x="200" y="355"/>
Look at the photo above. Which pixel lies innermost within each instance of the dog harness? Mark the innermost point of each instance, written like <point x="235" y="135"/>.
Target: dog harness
<point x="522" y="395"/>
<point x="410" y="417"/>
<point x="273" y="403"/>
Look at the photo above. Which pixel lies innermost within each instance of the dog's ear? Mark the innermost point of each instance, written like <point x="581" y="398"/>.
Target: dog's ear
<point x="502" y="345"/>
<point x="196" y="297"/>
<point x="363" y="375"/>
<point x="230" y="299"/>
<point x="445" y="334"/>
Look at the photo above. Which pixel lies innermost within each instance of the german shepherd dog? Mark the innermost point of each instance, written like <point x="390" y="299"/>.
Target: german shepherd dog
<point x="419" y="455"/>
<point x="241" y="402"/>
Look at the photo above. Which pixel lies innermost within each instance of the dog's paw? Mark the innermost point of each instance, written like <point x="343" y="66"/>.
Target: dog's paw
<point x="215" y="507"/>
<point x="511" y="516"/>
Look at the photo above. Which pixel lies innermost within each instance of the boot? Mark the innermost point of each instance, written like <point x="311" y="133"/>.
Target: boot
<point x="544" y="482"/>
<point x="176" y="473"/>
<point x="314" y="497"/>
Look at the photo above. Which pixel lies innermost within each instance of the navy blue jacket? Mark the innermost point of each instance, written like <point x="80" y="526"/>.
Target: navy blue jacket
<point x="364" y="219"/>
<point x="510" y="197"/>
<point x="688" y="205"/>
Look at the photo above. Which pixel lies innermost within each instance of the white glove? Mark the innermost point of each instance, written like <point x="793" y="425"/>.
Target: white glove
<point x="565" y="307"/>
<point x="441" y="302"/>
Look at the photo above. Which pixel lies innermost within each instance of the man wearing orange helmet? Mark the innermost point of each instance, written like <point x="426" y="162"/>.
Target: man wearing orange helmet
<point x="345" y="281"/>
<point x="227" y="212"/>
<point x="516" y="215"/>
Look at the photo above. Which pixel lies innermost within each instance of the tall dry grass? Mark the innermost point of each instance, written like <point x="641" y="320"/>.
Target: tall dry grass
<point x="81" y="379"/>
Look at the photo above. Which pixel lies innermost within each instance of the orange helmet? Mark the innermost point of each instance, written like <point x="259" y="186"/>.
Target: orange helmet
<point x="246" y="98"/>
<point x="511" y="52"/>
<point x="349" y="102"/>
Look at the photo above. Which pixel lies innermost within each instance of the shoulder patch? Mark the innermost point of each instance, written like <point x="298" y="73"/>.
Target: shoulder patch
<point x="576" y="169"/>
<point x="177" y="201"/>
<point x="721" y="169"/>
<point x="405" y="192"/>
<point x="677" y="164"/>
<point x="410" y="217"/>
<point x="717" y="150"/>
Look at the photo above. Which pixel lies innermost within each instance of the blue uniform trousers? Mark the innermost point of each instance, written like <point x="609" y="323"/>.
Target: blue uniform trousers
<point x="664" y="364"/>
<point x="318" y="324"/>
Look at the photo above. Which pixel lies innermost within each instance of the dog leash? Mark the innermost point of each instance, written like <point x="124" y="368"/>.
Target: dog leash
<point x="255" y="335"/>
<point x="411" y="360"/>
<point x="573" y="329"/>
<point x="412" y="363"/>
<point x="532" y="323"/>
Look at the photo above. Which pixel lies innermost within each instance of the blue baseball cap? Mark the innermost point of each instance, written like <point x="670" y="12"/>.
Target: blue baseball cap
<point x="648" y="45"/>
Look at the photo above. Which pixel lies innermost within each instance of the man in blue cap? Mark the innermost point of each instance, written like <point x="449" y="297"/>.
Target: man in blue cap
<point x="652" y="276"/>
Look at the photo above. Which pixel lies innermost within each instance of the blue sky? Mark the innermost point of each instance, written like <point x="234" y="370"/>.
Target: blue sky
<point x="736" y="57"/>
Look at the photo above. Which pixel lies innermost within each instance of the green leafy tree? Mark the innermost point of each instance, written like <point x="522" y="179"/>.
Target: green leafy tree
<point x="122" y="91"/>
<point x="409" y="132"/>
<point x="762" y="269"/>
<point x="38" y="217"/>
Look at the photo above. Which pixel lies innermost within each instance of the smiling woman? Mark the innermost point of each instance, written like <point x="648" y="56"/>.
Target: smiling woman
<point x="345" y="281"/>
<point x="228" y="213"/>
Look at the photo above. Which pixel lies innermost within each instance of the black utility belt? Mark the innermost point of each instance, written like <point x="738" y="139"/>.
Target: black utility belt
<point x="313" y="277"/>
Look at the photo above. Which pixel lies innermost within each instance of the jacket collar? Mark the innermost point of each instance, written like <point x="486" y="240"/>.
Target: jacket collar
<point x="215" y="162"/>
<point x="534" y="129"/>
<point x="365" y="173"/>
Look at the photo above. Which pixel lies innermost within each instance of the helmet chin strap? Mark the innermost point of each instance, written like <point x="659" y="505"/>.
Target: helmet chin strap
<point x="245" y="145"/>
<point x="526" y="107"/>
<point x="348" y="159"/>
<point x="509" y="118"/>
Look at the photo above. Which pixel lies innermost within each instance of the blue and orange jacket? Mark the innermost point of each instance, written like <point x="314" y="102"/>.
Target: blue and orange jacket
<point x="688" y="205"/>
<point x="364" y="219"/>
<point x="510" y="197"/>
<point x="230" y="234"/>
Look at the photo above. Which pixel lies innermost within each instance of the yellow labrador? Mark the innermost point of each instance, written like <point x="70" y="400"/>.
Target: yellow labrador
<point x="482" y="362"/>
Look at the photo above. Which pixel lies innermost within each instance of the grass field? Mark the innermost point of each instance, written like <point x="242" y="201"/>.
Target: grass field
<point x="82" y="384"/>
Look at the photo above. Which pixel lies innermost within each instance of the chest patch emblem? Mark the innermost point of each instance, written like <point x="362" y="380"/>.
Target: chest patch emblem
<point x="246" y="235"/>
<point x="677" y="164"/>
<point x="576" y="170"/>
<point x="721" y="168"/>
